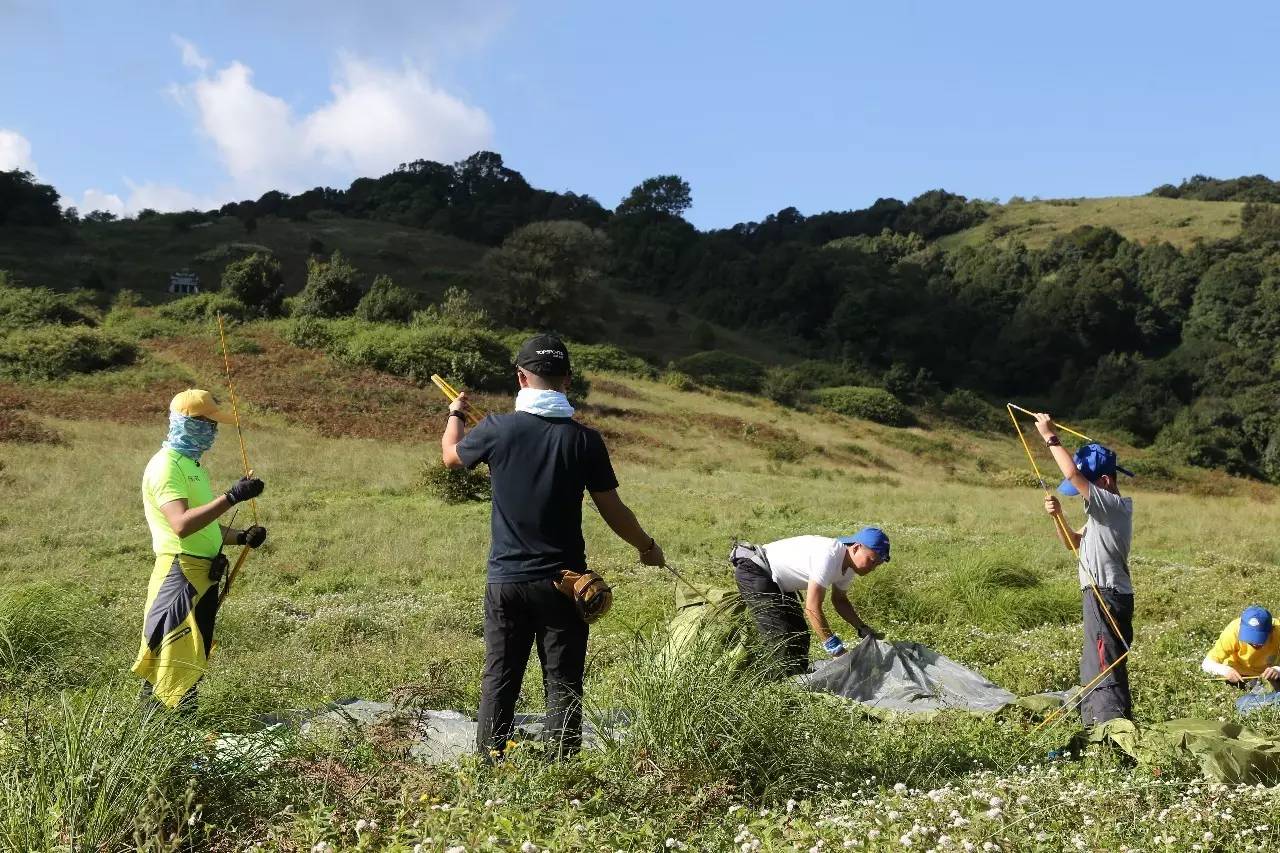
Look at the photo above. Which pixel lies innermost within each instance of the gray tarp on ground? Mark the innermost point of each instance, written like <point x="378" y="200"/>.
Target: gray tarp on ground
<point x="433" y="737"/>
<point x="905" y="676"/>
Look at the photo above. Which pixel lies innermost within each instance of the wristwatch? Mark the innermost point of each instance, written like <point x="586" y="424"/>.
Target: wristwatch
<point x="1053" y="441"/>
<point x="457" y="413"/>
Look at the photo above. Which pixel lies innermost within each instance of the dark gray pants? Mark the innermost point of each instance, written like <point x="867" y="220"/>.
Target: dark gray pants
<point x="516" y="617"/>
<point x="1110" y="698"/>
<point x="779" y="616"/>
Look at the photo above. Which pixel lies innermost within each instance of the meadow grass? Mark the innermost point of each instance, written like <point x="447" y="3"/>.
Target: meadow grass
<point x="1138" y="218"/>
<point x="369" y="584"/>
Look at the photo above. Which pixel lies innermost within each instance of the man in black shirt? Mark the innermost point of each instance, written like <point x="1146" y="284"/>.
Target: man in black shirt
<point x="540" y="462"/>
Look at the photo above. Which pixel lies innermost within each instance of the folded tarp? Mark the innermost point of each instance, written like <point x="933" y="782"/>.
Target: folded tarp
<point x="1227" y="752"/>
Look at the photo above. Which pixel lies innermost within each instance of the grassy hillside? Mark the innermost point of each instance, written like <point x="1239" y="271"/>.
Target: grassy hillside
<point x="1137" y="218"/>
<point x="140" y="256"/>
<point x="371" y="586"/>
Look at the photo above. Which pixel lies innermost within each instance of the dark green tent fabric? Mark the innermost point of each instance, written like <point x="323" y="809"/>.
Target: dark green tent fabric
<point x="1227" y="752"/>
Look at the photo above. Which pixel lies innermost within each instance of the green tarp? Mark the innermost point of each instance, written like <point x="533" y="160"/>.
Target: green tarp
<point x="1227" y="752"/>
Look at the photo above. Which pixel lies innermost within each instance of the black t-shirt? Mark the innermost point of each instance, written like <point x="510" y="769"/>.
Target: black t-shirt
<point x="539" y="468"/>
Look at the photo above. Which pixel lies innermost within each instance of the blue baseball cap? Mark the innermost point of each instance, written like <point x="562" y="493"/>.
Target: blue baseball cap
<point x="875" y="539"/>
<point x="1255" y="625"/>
<point x="1093" y="461"/>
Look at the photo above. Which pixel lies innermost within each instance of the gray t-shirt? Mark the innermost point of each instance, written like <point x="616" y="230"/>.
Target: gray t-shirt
<point x="1104" y="548"/>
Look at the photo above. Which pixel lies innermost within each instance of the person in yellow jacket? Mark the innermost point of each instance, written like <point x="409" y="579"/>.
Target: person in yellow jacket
<point x="182" y="512"/>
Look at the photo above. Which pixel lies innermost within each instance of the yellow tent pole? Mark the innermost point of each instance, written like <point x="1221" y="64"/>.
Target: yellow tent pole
<point x="1055" y="423"/>
<point x="474" y="413"/>
<point x="1066" y="531"/>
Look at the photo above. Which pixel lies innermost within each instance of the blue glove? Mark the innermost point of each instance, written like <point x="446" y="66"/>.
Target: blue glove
<point x="833" y="645"/>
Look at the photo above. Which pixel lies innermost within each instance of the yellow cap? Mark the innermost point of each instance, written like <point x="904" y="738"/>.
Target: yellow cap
<point x="199" y="404"/>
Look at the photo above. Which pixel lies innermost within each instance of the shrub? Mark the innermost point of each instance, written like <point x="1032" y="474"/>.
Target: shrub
<point x="606" y="357"/>
<point x="475" y="359"/>
<point x="203" y="308"/>
<point x="332" y="289"/>
<point x="457" y="308"/>
<point x="257" y="282"/>
<point x="142" y="325"/>
<point x="813" y="373"/>
<point x="719" y="369"/>
<point x="28" y="307"/>
<point x="782" y="385"/>
<point x="454" y="486"/>
<point x="872" y="404"/>
<point x="386" y="302"/>
<point x="55" y="352"/>
<point x="968" y="409"/>
<point x="679" y="381"/>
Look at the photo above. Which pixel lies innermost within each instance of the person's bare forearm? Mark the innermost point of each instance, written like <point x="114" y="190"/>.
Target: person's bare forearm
<point x="454" y="431"/>
<point x="847" y="612"/>
<point x="623" y="522"/>
<point x="1066" y="535"/>
<point x="194" y="520"/>
<point x="813" y="614"/>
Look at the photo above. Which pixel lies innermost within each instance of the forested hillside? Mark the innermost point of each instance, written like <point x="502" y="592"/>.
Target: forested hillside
<point x="1158" y="324"/>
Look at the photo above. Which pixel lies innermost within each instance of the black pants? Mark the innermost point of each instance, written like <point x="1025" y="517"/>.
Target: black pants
<point x="779" y="616"/>
<point x="1110" y="698"/>
<point x="516" y="616"/>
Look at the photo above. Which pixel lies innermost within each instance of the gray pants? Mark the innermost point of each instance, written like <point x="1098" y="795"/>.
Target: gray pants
<point x="1110" y="698"/>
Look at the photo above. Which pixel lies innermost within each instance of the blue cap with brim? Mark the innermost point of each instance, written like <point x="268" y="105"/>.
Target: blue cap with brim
<point x="869" y="537"/>
<point x="1093" y="461"/>
<point x="1255" y="625"/>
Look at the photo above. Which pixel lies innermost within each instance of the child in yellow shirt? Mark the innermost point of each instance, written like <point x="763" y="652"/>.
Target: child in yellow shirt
<point x="1247" y="648"/>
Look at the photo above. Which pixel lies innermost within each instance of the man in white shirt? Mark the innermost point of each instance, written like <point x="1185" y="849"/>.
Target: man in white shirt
<point x="771" y="579"/>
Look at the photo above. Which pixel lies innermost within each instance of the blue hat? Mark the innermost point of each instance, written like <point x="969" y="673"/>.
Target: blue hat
<point x="1093" y="461"/>
<point x="875" y="539"/>
<point x="1255" y="625"/>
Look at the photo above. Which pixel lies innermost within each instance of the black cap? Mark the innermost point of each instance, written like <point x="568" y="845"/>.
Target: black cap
<point x="544" y="355"/>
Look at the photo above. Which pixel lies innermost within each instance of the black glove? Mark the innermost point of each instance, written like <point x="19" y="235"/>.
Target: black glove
<point x="246" y="488"/>
<point x="252" y="536"/>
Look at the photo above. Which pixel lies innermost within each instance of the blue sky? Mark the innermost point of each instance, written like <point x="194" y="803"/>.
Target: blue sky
<point x="819" y="105"/>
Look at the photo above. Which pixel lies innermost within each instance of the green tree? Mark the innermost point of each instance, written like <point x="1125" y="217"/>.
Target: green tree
<point x="386" y="302"/>
<point x="332" y="289"/>
<point x="544" y="270"/>
<point x="664" y="195"/>
<point x="23" y="201"/>
<point x="256" y="282"/>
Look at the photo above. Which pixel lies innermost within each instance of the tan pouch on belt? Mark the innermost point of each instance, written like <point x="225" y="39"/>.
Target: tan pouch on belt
<point x="588" y="591"/>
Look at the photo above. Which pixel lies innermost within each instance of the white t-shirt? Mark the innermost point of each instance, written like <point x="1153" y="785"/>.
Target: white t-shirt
<point x="801" y="559"/>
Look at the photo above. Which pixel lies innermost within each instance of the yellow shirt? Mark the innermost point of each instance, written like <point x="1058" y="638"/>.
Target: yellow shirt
<point x="170" y="476"/>
<point x="1243" y="658"/>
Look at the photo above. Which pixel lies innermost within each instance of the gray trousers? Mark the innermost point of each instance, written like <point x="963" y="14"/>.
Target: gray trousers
<point x="1110" y="698"/>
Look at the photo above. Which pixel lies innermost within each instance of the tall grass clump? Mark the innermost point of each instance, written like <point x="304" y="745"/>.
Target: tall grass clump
<point x="56" y="352"/>
<point x="49" y="636"/>
<point x="94" y="772"/>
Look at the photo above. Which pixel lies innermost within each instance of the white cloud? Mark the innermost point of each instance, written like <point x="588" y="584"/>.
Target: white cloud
<point x="15" y="152"/>
<point x="165" y="198"/>
<point x="191" y="55"/>
<point x="376" y="119"/>
<point x="98" y="200"/>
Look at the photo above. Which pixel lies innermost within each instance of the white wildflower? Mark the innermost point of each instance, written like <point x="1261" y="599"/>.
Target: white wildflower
<point x="528" y="847"/>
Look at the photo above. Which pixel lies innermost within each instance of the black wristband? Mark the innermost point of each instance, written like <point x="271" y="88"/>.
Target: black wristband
<point x="457" y="413"/>
<point x="242" y="537"/>
<point x="652" y="543"/>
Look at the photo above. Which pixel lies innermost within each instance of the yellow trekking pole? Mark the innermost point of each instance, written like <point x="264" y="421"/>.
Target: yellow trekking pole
<point x="473" y="412"/>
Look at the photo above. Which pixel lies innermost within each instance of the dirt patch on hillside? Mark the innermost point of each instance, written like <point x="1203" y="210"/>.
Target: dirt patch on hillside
<point x="16" y="426"/>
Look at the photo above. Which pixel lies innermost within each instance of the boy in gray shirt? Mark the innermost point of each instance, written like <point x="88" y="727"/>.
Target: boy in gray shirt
<point x="1103" y="545"/>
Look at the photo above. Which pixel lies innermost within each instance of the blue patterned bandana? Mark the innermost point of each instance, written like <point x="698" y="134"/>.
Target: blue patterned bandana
<point x="189" y="436"/>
